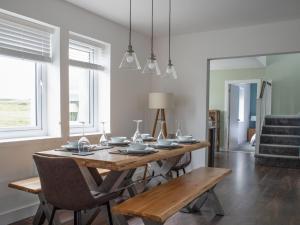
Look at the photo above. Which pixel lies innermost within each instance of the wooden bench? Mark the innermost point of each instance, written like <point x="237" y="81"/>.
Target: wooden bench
<point x="33" y="185"/>
<point x="159" y="203"/>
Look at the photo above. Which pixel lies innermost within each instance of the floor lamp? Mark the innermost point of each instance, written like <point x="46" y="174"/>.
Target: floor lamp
<point x="160" y="101"/>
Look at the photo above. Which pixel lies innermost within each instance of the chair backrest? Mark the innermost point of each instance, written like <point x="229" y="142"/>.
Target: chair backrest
<point x="63" y="184"/>
<point x="184" y="161"/>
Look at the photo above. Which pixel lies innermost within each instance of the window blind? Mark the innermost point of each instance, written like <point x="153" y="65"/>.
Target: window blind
<point x="84" y="54"/>
<point x="25" y="41"/>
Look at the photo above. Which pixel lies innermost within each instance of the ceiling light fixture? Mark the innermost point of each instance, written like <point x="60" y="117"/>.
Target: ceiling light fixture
<point x="151" y="66"/>
<point x="129" y="60"/>
<point x="170" y="71"/>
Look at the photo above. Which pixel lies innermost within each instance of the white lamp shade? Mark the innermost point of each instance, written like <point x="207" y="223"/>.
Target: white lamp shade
<point x="159" y="100"/>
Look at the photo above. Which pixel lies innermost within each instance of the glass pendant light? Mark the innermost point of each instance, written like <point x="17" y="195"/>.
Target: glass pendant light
<point x="129" y="60"/>
<point x="151" y="66"/>
<point x="170" y="71"/>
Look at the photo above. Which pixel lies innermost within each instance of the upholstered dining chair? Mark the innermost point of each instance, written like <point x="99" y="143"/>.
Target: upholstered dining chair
<point x="182" y="164"/>
<point x="64" y="187"/>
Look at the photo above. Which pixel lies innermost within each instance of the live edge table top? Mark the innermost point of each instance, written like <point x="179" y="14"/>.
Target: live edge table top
<point x="116" y="162"/>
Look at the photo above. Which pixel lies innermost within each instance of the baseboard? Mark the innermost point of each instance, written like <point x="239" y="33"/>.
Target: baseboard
<point x="13" y="215"/>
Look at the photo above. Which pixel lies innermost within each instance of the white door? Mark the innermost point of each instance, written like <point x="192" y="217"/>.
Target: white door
<point x="233" y="116"/>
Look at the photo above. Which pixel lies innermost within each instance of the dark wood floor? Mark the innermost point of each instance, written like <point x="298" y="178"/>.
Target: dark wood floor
<point x="251" y="195"/>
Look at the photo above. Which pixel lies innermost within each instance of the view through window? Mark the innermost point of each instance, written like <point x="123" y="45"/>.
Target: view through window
<point x="18" y="93"/>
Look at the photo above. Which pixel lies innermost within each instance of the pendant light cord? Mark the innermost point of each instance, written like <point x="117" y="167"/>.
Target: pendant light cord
<point x="130" y="24"/>
<point x="169" y="32"/>
<point x="152" y="52"/>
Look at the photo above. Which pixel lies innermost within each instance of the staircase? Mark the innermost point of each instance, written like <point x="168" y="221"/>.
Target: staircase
<point x="280" y="142"/>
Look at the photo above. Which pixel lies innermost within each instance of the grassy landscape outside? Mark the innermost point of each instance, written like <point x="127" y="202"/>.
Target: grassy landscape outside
<point x="14" y="113"/>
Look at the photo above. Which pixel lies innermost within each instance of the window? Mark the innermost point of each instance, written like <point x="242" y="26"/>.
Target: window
<point x="85" y="68"/>
<point x="241" y="104"/>
<point x="25" y="48"/>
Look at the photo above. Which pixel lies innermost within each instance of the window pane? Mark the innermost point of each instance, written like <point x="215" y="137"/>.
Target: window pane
<point x="79" y="101"/>
<point x="17" y="93"/>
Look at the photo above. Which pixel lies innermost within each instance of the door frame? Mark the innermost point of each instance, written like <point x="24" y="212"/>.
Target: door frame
<point x="227" y="105"/>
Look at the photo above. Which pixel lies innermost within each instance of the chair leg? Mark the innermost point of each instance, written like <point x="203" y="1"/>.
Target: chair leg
<point x="52" y="216"/>
<point x="109" y="214"/>
<point x="177" y="173"/>
<point x="183" y="170"/>
<point x="77" y="218"/>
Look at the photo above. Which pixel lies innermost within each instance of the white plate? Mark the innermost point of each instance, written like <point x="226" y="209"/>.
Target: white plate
<point x="119" y="143"/>
<point x="133" y="151"/>
<point x="69" y="147"/>
<point x="146" y="149"/>
<point x="186" y="141"/>
<point x="174" y="144"/>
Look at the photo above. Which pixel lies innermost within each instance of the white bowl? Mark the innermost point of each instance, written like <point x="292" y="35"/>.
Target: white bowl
<point x="144" y="136"/>
<point x="185" y="138"/>
<point x="73" y="144"/>
<point x="137" y="146"/>
<point x="165" y="141"/>
<point x="118" y="139"/>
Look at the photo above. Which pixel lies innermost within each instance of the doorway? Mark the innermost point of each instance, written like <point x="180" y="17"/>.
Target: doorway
<point x="240" y="111"/>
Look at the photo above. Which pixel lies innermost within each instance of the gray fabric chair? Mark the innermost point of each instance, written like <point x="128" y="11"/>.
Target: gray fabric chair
<point x="183" y="163"/>
<point x="64" y="187"/>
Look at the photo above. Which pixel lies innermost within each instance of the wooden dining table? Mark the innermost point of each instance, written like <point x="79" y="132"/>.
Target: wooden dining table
<point x="122" y="167"/>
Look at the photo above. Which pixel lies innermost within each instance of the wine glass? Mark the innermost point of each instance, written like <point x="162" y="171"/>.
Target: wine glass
<point x="103" y="140"/>
<point x="83" y="143"/>
<point x="137" y="137"/>
<point x="161" y="134"/>
<point x="178" y="131"/>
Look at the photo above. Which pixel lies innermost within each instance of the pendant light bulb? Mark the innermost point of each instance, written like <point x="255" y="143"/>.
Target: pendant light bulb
<point x="170" y="71"/>
<point x="151" y="66"/>
<point x="130" y="60"/>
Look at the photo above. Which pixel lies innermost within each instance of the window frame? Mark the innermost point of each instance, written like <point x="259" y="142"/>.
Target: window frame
<point x="92" y="125"/>
<point x="40" y="108"/>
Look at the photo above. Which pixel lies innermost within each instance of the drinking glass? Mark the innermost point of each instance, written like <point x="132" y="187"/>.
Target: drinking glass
<point x="161" y="134"/>
<point x="137" y="137"/>
<point x="83" y="143"/>
<point x="178" y="131"/>
<point x="103" y="140"/>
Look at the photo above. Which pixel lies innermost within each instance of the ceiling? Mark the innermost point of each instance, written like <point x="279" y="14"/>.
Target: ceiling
<point x="239" y="63"/>
<point x="193" y="15"/>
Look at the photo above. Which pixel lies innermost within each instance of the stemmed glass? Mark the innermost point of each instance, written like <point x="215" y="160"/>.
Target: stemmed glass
<point x="161" y="134"/>
<point x="178" y="131"/>
<point x="137" y="137"/>
<point x="83" y="143"/>
<point x="103" y="140"/>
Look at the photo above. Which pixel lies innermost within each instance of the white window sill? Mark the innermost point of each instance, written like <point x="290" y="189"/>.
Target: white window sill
<point x="9" y="141"/>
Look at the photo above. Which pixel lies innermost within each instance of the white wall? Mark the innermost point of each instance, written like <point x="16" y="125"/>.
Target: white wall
<point x="128" y="93"/>
<point x="191" y="52"/>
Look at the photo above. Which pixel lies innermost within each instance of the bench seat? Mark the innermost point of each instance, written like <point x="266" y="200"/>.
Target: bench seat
<point x="161" y="202"/>
<point x="33" y="185"/>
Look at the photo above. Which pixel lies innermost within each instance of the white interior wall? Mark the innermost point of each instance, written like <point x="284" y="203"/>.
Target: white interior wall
<point x="190" y="53"/>
<point x="128" y="94"/>
<point x="190" y="56"/>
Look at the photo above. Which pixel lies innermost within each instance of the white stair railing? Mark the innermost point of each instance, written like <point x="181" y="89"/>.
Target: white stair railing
<point x="262" y="109"/>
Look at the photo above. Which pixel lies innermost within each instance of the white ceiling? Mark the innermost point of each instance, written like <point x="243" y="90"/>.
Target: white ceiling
<point x="193" y="15"/>
<point x="239" y="63"/>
